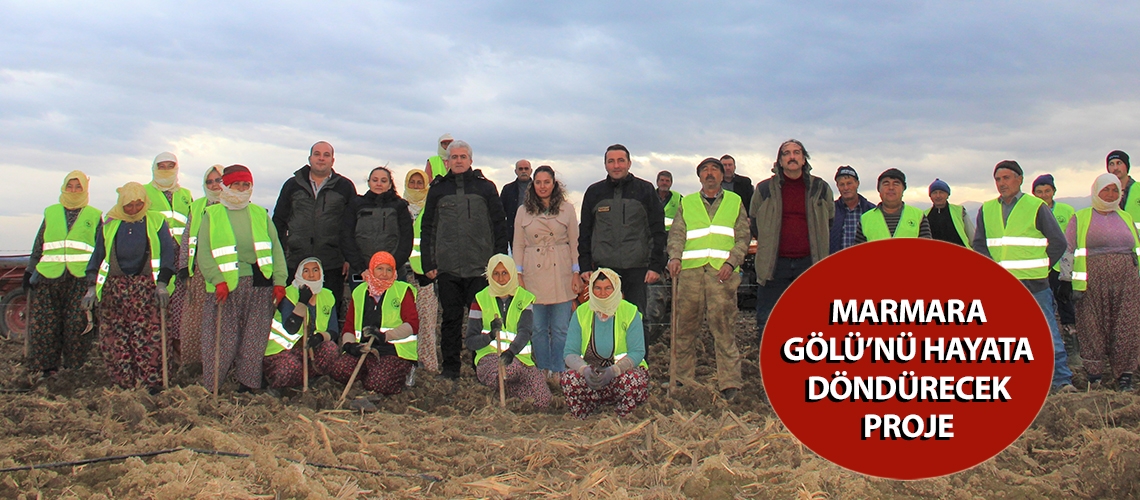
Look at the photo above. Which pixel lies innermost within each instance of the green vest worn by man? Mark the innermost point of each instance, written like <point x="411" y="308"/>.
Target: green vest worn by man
<point x="875" y="226"/>
<point x="709" y="241"/>
<point x="280" y="339"/>
<point x="671" y="208"/>
<point x="66" y="249"/>
<point x="111" y="228"/>
<point x="1016" y="244"/>
<point x="956" y="213"/>
<point x="390" y="316"/>
<point x="490" y="307"/>
<point x="175" y="210"/>
<point x="415" y="258"/>
<point x="1132" y="206"/>
<point x="224" y="245"/>
<point x="624" y="316"/>
<point x="1080" y="254"/>
<point x="1063" y="212"/>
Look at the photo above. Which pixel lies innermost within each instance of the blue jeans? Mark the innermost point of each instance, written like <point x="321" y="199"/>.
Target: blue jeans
<point x="549" y="337"/>
<point x="1061" y="373"/>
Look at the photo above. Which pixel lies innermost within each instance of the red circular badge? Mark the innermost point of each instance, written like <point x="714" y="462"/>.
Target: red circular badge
<point x="907" y="358"/>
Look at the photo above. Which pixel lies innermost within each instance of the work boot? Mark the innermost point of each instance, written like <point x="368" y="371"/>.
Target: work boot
<point x="1124" y="383"/>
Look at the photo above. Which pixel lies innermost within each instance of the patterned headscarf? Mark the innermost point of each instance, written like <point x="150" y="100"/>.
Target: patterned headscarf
<point x="130" y="192"/>
<point x="508" y="289"/>
<point x="609" y="305"/>
<point x="377" y="286"/>
<point x="74" y="201"/>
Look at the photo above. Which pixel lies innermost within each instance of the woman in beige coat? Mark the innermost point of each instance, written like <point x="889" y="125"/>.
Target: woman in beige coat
<point x="546" y="248"/>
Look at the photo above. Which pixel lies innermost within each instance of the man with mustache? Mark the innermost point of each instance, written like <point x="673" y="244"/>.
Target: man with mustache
<point x="792" y="213"/>
<point x="707" y="242"/>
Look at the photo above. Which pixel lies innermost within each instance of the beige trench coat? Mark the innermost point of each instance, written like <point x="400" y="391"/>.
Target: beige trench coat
<point x="546" y="250"/>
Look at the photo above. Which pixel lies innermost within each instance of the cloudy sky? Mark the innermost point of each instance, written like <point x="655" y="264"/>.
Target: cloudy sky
<point x="937" y="89"/>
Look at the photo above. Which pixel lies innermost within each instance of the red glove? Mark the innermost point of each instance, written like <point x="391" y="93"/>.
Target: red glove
<point x="278" y="294"/>
<point x="222" y="291"/>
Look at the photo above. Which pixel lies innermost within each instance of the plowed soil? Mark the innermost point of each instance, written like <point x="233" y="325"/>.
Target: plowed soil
<point x="451" y="440"/>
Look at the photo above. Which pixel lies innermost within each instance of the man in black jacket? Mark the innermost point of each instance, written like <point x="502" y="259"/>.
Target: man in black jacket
<point x="312" y="218"/>
<point x="622" y="228"/>
<point x="737" y="183"/>
<point x="463" y="225"/>
<point x="514" y="194"/>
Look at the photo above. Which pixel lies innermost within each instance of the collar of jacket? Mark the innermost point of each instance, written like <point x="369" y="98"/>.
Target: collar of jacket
<point x="302" y="177"/>
<point x="779" y="171"/>
<point x="377" y="199"/>
<point x="621" y="182"/>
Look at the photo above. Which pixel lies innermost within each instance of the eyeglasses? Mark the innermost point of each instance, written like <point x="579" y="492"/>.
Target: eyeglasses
<point x="215" y="181"/>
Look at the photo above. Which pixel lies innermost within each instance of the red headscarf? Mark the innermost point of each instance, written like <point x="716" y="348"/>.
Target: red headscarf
<point x="377" y="286"/>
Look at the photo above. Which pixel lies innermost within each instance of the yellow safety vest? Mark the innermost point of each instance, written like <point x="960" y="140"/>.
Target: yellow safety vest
<point x="437" y="167"/>
<point x="176" y="214"/>
<point x="1063" y="212"/>
<point x="1016" y="244"/>
<point x="624" y="317"/>
<point x="709" y="241"/>
<point x="671" y="208"/>
<point x="1080" y="254"/>
<point x="875" y="225"/>
<point x="197" y="211"/>
<point x="111" y="228"/>
<point x="224" y="243"/>
<point x="490" y="307"/>
<point x="67" y="249"/>
<point x="280" y="339"/>
<point x="956" y="217"/>
<point x="390" y="316"/>
<point x="414" y="258"/>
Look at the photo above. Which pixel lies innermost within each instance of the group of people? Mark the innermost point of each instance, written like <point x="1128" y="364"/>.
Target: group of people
<point x="218" y="282"/>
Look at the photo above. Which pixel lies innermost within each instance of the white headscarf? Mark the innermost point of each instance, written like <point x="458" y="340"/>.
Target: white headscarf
<point x="213" y="196"/>
<point x="314" y="285"/>
<point x="508" y="289"/>
<point x="165" y="180"/>
<point x="609" y="305"/>
<point x="1101" y="182"/>
<point x="443" y="150"/>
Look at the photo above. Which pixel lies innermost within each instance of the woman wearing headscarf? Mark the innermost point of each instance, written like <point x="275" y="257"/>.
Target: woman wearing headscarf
<point x="605" y="351"/>
<point x="189" y="346"/>
<point x="1104" y="242"/>
<point x="546" y="243"/>
<point x="383" y="312"/>
<point x="55" y="274"/>
<point x="499" y="326"/>
<point x="128" y="274"/>
<point x="244" y="266"/>
<point x="173" y="201"/>
<point x="382" y="223"/>
<point x="415" y="192"/>
<point x="307" y="305"/>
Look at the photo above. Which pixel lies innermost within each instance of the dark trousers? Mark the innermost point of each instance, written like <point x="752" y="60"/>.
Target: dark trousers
<point x="787" y="270"/>
<point x="1065" y="307"/>
<point x="633" y="288"/>
<point x="455" y="293"/>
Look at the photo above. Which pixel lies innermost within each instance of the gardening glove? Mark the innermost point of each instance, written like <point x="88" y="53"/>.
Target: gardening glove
<point x="304" y="295"/>
<point x="496" y="327"/>
<point x="506" y="358"/>
<point x="370" y="332"/>
<point x="162" y="295"/>
<point x="278" y="294"/>
<point x="316" y="339"/>
<point x="88" y="301"/>
<point x="222" y="291"/>
<point x="597" y="379"/>
<point x="27" y="281"/>
<point x="354" y="349"/>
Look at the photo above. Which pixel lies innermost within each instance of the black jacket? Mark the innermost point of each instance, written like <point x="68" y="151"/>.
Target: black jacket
<point x="317" y="226"/>
<point x="632" y="189"/>
<point x="743" y="187"/>
<point x="511" y="199"/>
<point x="373" y="231"/>
<point x="474" y="184"/>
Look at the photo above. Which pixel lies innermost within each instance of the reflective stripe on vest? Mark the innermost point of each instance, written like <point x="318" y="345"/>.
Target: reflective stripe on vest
<point x="875" y="224"/>
<point x="1063" y="212"/>
<point x="1016" y="244"/>
<point x="490" y="310"/>
<point x="111" y="228"/>
<point x="175" y="214"/>
<point x="197" y="211"/>
<point x="624" y="317"/>
<point x="65" y="249"/>
<point x="280" y="339"/>
<point x="1080" y="254"/>
<point x="709" y="241"/>
<point x="670" y="208"/>
<point x="389" y="316"/>
<point x="223" y="243"/>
